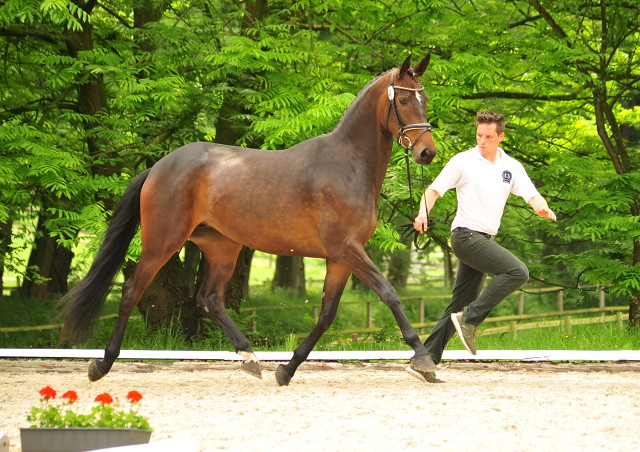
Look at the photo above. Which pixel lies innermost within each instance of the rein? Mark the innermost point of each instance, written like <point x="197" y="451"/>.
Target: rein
<point x="407" y="230"/>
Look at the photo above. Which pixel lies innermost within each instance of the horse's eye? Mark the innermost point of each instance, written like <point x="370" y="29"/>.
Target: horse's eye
<point x="404" y="101"/>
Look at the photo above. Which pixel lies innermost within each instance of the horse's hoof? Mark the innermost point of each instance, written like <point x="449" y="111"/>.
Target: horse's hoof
<point x="95" y="373"/>
<point x="426" y="377"/>
<point x="423" y="363"/>
<point x="252" y="368"/>
<point x="282" y="377"/>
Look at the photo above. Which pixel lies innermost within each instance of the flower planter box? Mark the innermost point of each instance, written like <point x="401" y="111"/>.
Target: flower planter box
<point x="79" y="439"/>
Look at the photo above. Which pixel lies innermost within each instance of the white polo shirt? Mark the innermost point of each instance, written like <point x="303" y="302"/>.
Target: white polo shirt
<point x="483" y="188"/>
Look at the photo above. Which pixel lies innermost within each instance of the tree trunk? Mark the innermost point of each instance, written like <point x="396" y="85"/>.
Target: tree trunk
<point x="5" y="241"/>
<point x="238" y="286"/>
<point x="634" y="304"/>
<point x="147" y="11"/>
<point x="255" y="11"/>
<point x="192" y="256"/>
<point x="92" y="97"/>
<point x="290" y="274"/>
<point x="631" y="133"/>
<point x="60" y="268"/>
<point x="47" y="260"/>
<point x="634" y="311"/>
<point x="399" y="264"/>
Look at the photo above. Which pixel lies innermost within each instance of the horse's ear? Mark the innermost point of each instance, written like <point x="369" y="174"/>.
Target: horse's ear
<point x="422" y="66"/>
<point x="405" y="67"/>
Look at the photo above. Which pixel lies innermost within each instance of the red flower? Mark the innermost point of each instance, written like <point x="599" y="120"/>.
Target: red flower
<point x="71" y="396"/>
<point x="134" y="396"/>
<point x="48" y="392"/>
<point x="104" y="399"/>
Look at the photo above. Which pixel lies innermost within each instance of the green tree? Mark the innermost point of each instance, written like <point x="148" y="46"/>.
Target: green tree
<point x="94" y="93"/>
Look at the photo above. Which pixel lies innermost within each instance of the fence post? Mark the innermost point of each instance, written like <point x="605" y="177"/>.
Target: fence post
<point x="254" y="327"/>
<point x="602" y="307"/>
<point x="369" y="315"/>
<point x="619" y="320"/>
<point x="513" y="329"/>
<point x="521" y="304"/>
<point x="560" y="304"/>
<point x="421" y="309"/>
<point x="315" y="313"/>
<point x="566" y="323"/>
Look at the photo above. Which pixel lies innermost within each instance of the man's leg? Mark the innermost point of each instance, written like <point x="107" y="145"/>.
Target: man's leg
<point x="487" y="256"/>
<point x="469" y="282"/>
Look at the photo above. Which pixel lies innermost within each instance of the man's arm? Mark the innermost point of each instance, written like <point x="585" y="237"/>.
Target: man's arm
<point x="426" y="203"/>
<point x="539" y="204"/>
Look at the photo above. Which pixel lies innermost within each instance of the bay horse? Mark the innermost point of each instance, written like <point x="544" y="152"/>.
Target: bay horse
<point x="316" y="199"/>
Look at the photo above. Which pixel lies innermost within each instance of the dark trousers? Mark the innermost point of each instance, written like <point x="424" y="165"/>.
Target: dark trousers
<point x="478" y="255"/>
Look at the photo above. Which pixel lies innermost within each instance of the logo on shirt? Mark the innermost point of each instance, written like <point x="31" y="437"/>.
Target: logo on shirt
<point x="506" y="177"/>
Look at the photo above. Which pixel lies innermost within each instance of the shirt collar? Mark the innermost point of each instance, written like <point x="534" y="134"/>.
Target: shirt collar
<point x="479" y="156"/>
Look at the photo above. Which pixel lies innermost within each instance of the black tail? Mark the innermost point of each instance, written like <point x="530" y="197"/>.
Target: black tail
<point x="84" y="302"/>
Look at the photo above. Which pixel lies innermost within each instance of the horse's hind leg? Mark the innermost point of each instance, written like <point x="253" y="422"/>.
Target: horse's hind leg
<point x="334" y="282"/>
<point x="221" y="254"/>
<point x="149" y="264"/>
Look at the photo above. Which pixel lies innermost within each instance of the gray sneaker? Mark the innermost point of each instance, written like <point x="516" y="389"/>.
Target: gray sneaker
<point x="466" y="332"/>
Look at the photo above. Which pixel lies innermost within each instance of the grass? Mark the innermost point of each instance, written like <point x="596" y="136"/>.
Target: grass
<point x="276" y="328"/>
<point x="582" y="337"/>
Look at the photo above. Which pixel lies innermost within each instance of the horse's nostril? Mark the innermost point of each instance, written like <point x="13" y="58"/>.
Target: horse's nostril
<point x="424" y="155"/>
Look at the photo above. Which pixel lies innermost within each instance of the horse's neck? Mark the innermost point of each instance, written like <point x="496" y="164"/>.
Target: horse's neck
<point x="362" y="140"/>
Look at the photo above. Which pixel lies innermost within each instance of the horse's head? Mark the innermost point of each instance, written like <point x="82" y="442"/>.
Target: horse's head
<point x="408" y="105"/>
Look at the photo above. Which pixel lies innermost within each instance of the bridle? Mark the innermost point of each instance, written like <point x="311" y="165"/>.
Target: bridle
<point x="425" y="126"/>
<point x="407" y="229"/>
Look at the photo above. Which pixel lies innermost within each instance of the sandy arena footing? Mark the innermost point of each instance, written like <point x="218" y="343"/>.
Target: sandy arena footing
<point x="356" y="406"/>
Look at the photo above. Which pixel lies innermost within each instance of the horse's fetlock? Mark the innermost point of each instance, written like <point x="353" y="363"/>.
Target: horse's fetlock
<point x="247" y="356"/>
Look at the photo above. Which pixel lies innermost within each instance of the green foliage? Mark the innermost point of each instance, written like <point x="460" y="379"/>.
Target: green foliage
<point x="292" y="75"/>
<point x="388" y="332"/>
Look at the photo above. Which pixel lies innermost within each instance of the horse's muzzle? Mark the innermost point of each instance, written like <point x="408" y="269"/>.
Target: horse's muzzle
<point x="424" y="157"/>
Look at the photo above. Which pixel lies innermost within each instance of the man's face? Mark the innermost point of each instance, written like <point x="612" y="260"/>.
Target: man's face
<point x="488" y="139"/>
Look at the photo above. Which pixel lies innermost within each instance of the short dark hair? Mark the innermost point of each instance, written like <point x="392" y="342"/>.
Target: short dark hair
<point x="491" y="117"/>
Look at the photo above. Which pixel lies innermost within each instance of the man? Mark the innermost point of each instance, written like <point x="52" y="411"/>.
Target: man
<point x="483" y="178"/>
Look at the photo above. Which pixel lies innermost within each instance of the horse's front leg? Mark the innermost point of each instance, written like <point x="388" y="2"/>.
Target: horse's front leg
<point x="355" y="259"/>
<point x="334" y="282"/>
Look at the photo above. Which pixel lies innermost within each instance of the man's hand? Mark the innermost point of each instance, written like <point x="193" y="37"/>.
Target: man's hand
<point x="421" y="223"/>
<point x="426" y="203"/>
<point x="539" y="204"/>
